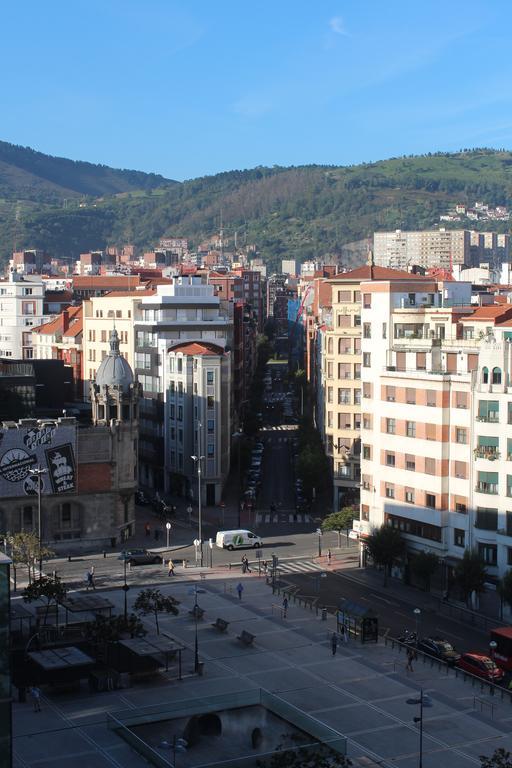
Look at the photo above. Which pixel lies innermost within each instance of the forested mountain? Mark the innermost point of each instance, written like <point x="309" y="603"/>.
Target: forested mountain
<point x="300" y="211"/>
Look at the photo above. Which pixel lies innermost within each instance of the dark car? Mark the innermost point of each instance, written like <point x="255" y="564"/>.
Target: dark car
<point x="140" y="557"/>
<point x="439" y="648"/>
<point x="481" y="666"/>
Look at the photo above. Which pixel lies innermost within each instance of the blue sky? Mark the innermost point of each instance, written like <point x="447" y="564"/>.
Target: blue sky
<point x="200" y="86"/>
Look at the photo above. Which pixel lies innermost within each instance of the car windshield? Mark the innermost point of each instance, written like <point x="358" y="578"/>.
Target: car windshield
<point x="444" y="646"/>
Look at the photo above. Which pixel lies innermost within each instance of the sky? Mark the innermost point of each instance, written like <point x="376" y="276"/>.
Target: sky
<point x="195" y="87"/>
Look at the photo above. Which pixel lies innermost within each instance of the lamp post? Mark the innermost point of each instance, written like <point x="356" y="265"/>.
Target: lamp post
<point x="197" y="461"/>
<point x="492" y="648"/>
<point x="125" y="590"/>
<point x="38" y="472"/>
<point x="423" y="701"/>
<point x="417" y="616"/>
<point x="168" y="529"/>
<point x="319" y="534"/>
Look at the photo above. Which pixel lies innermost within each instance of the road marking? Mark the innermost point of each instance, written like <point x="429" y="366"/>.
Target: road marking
<point x="389" y="602"/>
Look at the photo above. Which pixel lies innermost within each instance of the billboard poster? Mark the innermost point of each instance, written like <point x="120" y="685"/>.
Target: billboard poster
<point x="47" y="445"/>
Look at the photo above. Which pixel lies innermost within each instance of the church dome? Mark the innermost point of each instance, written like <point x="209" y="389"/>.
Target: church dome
<point x="114" y="371"/>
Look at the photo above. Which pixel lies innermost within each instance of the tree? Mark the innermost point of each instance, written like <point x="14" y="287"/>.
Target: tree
<point x="25" y="551"/>
<point x="424" y="565"/>
<point x="499" y="759"/>
<point x="385" y="545"/>
<point x="319" y="756"/>
<point x="152" y="601"/>
<point x="470" y="573"/>
<point x="339" y="521"/>
<point x="45" y="588"/>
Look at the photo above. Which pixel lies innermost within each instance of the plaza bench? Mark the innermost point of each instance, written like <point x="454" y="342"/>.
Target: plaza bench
<point x="246" y="638"/>
<point x="197" y="612"/>
<point x="221" y="625"/>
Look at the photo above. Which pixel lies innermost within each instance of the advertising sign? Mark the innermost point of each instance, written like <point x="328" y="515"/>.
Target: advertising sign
<point x="49" y="446"/>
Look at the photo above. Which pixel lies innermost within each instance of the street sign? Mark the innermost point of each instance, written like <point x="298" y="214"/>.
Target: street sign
<point x="319" y="531"/>
<point x="168" y="526"/>
<point x="196" y="542"/>
<point x="353" y="535"/>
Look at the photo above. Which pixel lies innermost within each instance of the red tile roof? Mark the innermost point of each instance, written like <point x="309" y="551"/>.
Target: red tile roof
<point x="56" y="325"/>
<point x="367" y="272"/>
<point x="492" y="311"/>
<point x="107" y="281"/>
<point x="196" y="348"/>
<point x="134" y="294"/>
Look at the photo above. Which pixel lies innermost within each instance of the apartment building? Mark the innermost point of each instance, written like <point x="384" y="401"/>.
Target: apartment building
<point x="341" y="375"/>
<point x="435" y="377"/>
<point x="21" y="310"/>
<point x="432" y="248"/>
<point x="61" y="339"/>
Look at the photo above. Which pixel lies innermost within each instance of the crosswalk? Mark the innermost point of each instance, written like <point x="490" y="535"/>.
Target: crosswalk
<point x="276" y="517"/>
<point x="300" y="566"/>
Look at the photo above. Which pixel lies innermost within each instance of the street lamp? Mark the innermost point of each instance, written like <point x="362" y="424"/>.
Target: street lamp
<point x="197" y="461"/>
<point x="38" y="472"/>
<point x="492" y="647"/>
<point x="417" y="616"/>
<point x="168" y="529"/>
<point x="125" y="590"/>
<point x="423" y="701"/>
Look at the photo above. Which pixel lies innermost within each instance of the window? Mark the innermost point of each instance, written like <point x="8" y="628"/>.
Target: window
<point x="27" y="291"/>
<point x="357" y="297"/>
<point x="180" y="436"/>
<point x="211" y="425"/>
<point x="357" y="371"/>
<point x="365" y="512"/>
<point x="410" y="462"/>
<point x="461" y="399"/>
<point x="344" y="397"/>
<point x="410" y="428"/>
<point x="488" y="482"/>
<point x="422" y="530"/>
<point x="409" y="495"/>
<point x="496" y="375"/>
<point x="366" y="482"/>
<point x="367" y="330"/>
<point x="344" y="297"/>
<point x="180" y="389"/>
<point x="390" y="491"/>
<point x="384" y="330"/>
<point x="344" y="420"/>
<point x="460" y="469"/>
<point x="357" y="397"/>
<point x="210" y="450"/>
<point x="209" y="377"/>
<point x="390" y="394"/>
<point x="410" y="396"/>
<point x="421" y="361"/>
<point x="459" y="538"/>
<point x="390" y="459"/>
<point x="357" y="321"/>
<point x="329" y="419"/>
<point x="367" y="452"/>
<point x="486" y="519"/>
<point x="431" y="398"/>
<point x="329" y="370"/>
<point x="343" y="321"/>
<point x="367" y="359"/>
<point x="344" y="371"/>
<point x="103" y="336"/>
<point x="461" y="435"/>
<point x="390" y="426"/>
<point x="430" y="500"/>
<point x="487" y="447"/>
<point x="509" y="485"/>
<point x="461" y="508"/>
<point x="488" y="410"/>
<point x="179" y="363"/>
<point x="172" y="411"/>
<point x="180" y="413"/>
<point x="367" y="300"/>
<point x="210" y="402"/>
<point x="488" y="553"/>
<point x="430" y="466"/>
<point x="485" y="375"/>
<point x="65" y="514"/>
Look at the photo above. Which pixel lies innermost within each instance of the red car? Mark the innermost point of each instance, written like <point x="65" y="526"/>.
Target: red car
<point x="481" y="666"/>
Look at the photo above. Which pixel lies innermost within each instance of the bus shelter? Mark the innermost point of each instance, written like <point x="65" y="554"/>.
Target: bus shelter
<point x="358" y="620"/>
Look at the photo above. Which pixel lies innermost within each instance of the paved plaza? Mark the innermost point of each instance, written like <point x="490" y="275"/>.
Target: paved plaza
<point x="361" y="692"/>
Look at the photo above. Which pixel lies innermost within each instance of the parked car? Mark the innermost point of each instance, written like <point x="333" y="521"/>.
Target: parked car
<point x="440" y="649"/>
<point x="139" y="557"/>
<point x="481" y="666"/>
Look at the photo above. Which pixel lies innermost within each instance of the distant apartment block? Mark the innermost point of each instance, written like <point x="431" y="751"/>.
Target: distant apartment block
<point x="434" y="248"/>
<point x="21" y="309"/>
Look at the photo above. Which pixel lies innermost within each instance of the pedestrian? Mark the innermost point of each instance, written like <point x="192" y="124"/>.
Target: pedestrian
<point x="264" y="565"/>
<point x="90" y="578"/>
<point x="334" y="643"/>
<point x="243" y="564"/>
<point x="247" y="566"/>
<point x="147" y="528"/>
<point x="35" y="694"/>
<point x="157" y="534"/>
<point x="410" y="658"/>
<point x="239" y="589"/>
<point x="170" y="566"/>
<point x="329" y="556"/>
<point x="285" y="606"/>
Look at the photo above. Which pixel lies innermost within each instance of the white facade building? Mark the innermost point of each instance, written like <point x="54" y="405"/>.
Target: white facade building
<point x="21" y="309"/>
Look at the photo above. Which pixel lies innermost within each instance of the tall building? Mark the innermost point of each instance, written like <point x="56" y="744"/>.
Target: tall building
<point x="21" y="310"/>
<point x="429" y="248"/>
<point x="436" y="421"/>
<point x="197" y="379"/>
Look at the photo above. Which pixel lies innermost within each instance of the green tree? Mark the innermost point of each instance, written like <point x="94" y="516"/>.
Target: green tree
<point x="424" y="566"/>
<point x="500" y="758"/>
<point x="47" y="588"/>
<point x="319" y="756"/>
<point x="24" y="547"/>
<point x="385" y="545"/>
<point x="470" y="573"/>
<point x="153" y="602"/>
<point x="339" y="521"/>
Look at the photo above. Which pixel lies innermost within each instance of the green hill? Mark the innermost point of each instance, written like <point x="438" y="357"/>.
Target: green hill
<point x="300" y="212"/>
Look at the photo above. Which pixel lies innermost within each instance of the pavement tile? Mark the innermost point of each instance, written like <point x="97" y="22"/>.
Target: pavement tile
<point x="316" y="698"/>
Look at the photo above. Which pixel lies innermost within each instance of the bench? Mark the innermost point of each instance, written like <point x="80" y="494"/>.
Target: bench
<point x="221" y="625"/>
<point x="197" y="612"/>
<point x="246" y="638"/>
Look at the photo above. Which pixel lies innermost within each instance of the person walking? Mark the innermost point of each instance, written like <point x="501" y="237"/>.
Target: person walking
<point x="170" y="566"/>
<point x="334" y="643"/>
<point x="285" y="607"/>
<point x="247" y="566"/>
<point x="147" y="528"/>
<point x="410" y="658"/>
<point x="329" y="555"/>
<point x="35" y="694"/>
<point x="239" y="589"/>
<point x="90" y="578"/>
<point x="244" y="567"/>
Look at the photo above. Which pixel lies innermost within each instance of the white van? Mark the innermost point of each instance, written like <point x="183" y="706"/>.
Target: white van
<point x="239" y="539"/>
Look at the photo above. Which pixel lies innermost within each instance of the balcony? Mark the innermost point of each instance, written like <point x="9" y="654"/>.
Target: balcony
<point x="485" y="452"/>
<point x="490" y="418"/>
<point x="489" y="488"/>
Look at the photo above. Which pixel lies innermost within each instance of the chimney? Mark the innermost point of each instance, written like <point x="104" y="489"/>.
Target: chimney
<point x="65" y="321"/>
